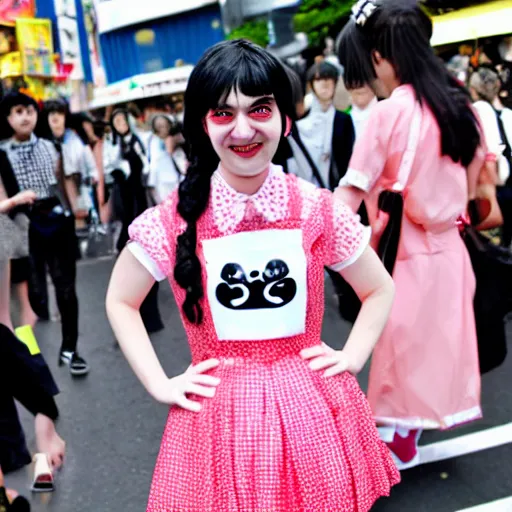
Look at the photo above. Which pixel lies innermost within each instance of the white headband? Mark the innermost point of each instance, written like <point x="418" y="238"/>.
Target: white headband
<point x="362" y="11"/>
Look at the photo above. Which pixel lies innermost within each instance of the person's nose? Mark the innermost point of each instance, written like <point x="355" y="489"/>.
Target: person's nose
<point x="242" y="129"/>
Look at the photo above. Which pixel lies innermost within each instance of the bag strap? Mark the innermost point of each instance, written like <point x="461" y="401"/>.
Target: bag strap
<point x="412" y="145"/>
<point x="314" y="169"/>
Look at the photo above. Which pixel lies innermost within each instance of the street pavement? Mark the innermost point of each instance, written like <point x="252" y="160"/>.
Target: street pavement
<point x="113" y="428"/>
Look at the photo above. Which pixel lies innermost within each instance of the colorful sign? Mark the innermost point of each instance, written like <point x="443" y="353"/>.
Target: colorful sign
<point x="11" y="10"/>
<point x="10" y="65"/>
<point x="36" y="46"/>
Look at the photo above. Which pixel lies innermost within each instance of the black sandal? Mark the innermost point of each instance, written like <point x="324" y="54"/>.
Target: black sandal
<point x="20" y="504"/>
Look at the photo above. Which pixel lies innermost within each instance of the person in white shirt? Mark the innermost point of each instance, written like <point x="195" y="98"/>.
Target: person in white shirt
<point x="363" y="100"/>
<point x="327" y="133"/>
<point x="77" y="159"/>
<point x="164" y="173"/>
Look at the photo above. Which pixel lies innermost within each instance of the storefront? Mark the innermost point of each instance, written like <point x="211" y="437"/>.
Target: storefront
<point x="149" y="85"/>
<point x="163" y="35"/>
<point x="480" y="35"/>
<point x="27" y="58"/>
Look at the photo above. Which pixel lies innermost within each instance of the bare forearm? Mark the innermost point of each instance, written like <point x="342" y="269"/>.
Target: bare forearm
<point x="135" y="344"/>
<point x="6" y="205"/>
<point x="369" y="325"/>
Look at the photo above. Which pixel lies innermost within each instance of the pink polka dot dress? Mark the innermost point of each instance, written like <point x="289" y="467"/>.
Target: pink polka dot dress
<point x="277" y="436"/>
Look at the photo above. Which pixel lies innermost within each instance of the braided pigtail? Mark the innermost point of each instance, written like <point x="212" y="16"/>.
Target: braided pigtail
<point x="193" y="194"/>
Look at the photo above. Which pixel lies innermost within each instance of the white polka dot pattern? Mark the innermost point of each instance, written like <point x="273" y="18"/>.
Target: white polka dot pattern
<point x="310" y="197"/>
<point x="229" y="206"/>
<point x="347" y="235"/>
<point x="150" y="232"/>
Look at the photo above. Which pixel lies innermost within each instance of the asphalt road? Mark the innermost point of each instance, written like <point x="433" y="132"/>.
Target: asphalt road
<point x="113" y="428"/>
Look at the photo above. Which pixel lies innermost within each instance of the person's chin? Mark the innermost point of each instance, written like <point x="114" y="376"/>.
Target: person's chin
<point x="248" y="168"/>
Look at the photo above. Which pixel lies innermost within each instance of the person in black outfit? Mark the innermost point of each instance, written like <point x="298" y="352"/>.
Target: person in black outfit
<point x="36" y="165"/>
<point x="26" y="378"/>
<point x="131" y="200"/>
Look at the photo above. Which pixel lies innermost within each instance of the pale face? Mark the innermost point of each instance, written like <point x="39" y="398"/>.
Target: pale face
<point x="162" y="127"/>
<point x="324" y="89"/>
<point x="23" y="121"/>
<point x="57" y="122"/>
<point x="362" y="96"/>
<point x="245" y="133"/>
<point x="120" y="124"/>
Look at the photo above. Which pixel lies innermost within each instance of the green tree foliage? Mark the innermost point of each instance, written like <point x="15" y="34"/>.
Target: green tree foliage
<point x="255" y="31"/>
<point x="321" y="18"/>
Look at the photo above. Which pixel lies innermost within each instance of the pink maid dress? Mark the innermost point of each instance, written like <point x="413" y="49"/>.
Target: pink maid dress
<point x="424" y="371"/>
<point x="277" y="436"/>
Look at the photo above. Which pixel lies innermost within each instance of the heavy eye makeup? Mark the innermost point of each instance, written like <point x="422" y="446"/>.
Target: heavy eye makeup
<point x="260" y="110"/>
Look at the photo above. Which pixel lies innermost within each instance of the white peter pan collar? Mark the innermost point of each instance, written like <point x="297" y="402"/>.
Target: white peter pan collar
<point x="229" y="206"/>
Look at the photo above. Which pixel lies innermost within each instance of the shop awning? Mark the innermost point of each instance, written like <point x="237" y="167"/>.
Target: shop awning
<point x="168" y="81"/>
<point x="484" y="20"/>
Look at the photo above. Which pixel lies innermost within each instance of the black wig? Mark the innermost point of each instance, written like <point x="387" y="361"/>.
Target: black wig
<point x="49" y="107"/>
<point x="244" y="67"/>
<point x="400" y="31"/>
<point x="10" y="101"/>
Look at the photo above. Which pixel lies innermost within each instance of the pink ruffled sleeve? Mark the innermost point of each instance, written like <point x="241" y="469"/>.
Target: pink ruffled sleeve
<point x="345" y="237"/>
<point x="150" y="240"/>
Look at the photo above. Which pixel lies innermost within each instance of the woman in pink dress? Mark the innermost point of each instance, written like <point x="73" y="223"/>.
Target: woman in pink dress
<point x="267" y="418"/>
<point x="424" y="372"/>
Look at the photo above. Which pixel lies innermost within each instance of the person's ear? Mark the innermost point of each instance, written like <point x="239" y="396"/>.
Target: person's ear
<point x="288" y="127"/>
<point x="376" y="57"/>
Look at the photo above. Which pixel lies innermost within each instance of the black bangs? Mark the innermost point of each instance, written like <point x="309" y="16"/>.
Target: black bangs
<point x="238" y="65"/>
<point x="322" y="71"/>
<point x="252" y="72"/>
<point x="16" y="99"/>
<point x="355" y="55"/>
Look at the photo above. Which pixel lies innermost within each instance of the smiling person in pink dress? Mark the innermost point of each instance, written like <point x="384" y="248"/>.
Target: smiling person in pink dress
<point x="267" y="417"/>
<point x="425" y="371"/>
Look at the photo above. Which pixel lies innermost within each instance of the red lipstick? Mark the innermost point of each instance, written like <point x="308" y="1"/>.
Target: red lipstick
<point x="247" y="151"/>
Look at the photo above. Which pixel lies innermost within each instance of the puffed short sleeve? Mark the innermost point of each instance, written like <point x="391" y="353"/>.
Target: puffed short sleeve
<point x="345" y="237"/>
<point x="150" y="240"/>
<point x="376" y="150"/>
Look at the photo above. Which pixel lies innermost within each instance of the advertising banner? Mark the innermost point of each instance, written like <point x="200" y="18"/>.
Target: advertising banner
<point x="11" y="10"/>
<point x="36" y="46"/>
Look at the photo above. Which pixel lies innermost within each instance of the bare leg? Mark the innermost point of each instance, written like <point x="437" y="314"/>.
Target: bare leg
<point x="5" y="294"/>
<point x="27" y="315"/>
<point x="48" y="441"/>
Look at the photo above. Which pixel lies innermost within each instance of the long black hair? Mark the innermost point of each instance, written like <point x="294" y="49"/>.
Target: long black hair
<point x="51" y="106"/>
<point x="244" y="67"/>
<point x="400" y="31"/>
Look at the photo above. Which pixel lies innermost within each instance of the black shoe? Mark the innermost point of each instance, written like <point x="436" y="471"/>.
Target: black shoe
<point x="77" y="365"/>
<point x="20" y="504"/>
